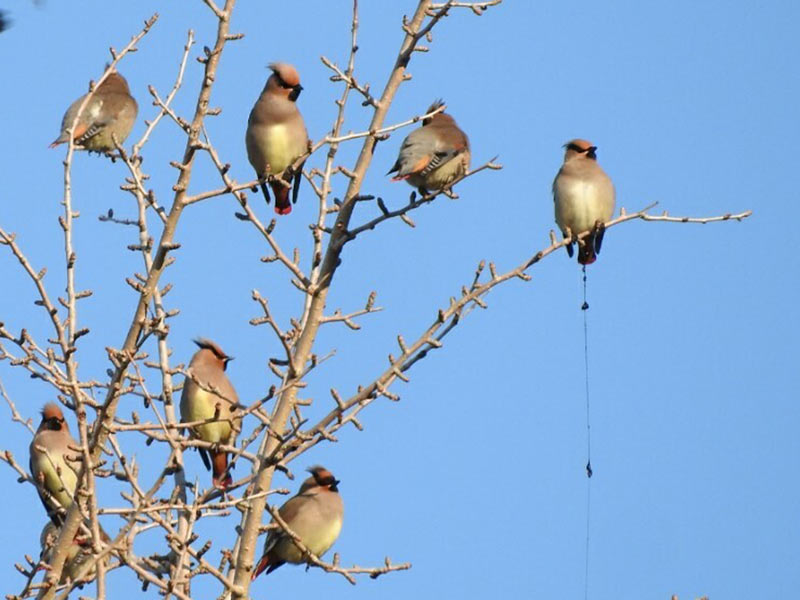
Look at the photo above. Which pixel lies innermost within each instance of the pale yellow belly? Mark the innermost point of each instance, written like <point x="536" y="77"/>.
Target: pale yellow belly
<point x="581" y="205"/>
<point x="273" y="145"/>
<point x="203" y="407"/>
<point x="59" y="479"/>
<point x="104" y="141"/>
<point x="318" y="540"/>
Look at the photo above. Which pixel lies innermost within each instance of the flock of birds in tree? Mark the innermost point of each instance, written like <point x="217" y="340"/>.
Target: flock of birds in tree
<point x="431" y="158"/>
<point x="209" y="401"/>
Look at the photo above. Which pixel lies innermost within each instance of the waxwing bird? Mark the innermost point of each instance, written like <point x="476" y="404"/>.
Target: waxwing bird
<point x="78" y="553"/>
<point x="54" y="457"/>
<point x="276" y="135"/>
<point x="434" y="155"/>
<point x="314" y="514"/>
<point x="110" y="111"/>
<point x="199" y="403"/>
<point x="584" y="198"/>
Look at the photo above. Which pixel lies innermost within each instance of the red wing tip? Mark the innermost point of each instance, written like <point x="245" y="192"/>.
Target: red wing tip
<point x="262" y="564"/>
<point x="283" y="210"/>
<point x="400" y="178"/>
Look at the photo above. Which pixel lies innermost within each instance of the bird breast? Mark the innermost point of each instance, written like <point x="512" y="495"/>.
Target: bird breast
<point x="318" y="524"/>
<point x="59" y="478"/>
<point x="580" y="202"/>
<point x="199" y="405"/>
<point x="317" y="535"/>
<point x="273" y="145"/>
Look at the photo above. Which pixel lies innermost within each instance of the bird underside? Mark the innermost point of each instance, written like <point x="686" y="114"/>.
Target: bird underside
<point x="589" y="245"/>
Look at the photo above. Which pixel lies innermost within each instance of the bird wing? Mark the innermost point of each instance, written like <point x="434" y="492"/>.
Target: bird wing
<point x="439" y="158"/>
<point x="288" y="513"/>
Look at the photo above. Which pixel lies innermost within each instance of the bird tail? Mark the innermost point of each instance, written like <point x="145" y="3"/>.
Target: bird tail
<point x="586" y="251"/>
<point x="265" y="564"/>
<point x="221" y="477"/>
<point x="395" y="168"/>
<point x="282" y="204"/>
<point x="262" y="564"/>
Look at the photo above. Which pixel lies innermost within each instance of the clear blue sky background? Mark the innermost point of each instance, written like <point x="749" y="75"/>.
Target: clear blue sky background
<point x="476" y="476"/>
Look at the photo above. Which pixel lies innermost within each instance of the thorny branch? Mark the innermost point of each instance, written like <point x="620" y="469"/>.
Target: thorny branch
<point x="276" y="438"/>
<point x="346" y="411"/>
<point x="314" y="560"/>
<point x="138" y="331"/>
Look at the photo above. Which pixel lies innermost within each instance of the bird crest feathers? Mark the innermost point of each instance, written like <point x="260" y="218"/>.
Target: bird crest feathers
<point x="579" y="144"/>
<point x="579" y="147"/>
<point x="323" y="477"/>
<point x="51" y="410"/>
<point x="206" y="344"/>
<point x="286" y="72"/>
<point x="115" y="82"/>
<point x="436" y="104"/>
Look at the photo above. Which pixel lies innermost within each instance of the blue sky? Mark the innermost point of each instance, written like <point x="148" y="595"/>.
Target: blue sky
<point x="476" y="475"/>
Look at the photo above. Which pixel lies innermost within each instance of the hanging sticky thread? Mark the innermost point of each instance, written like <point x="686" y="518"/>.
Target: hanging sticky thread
<point x="585" y="309"/>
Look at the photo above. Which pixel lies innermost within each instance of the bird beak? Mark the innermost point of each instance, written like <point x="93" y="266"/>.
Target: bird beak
<point x="293" y="95"/>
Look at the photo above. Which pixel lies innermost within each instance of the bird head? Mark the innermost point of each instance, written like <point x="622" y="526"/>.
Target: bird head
<point x="214" y="350"/>
<point x="582" y="148"/>
<point x="52" y="417"/>
<point x="321" y="477"/>
<point x="438" y="116"/>
<point x="115" y="83"/>
<point x="284" y="81"/>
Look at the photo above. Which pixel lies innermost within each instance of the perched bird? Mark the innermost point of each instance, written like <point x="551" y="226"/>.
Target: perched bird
<point x="276" y="135"/>
<point x="584" y="198"/>
<point x="54" y="462"/>
<point x="78" y="554"/>
<point x="314" y="514"/>
<point x="434" y="155"/>
<point x="197" y="404"/>
<point x="111" y="110"/>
